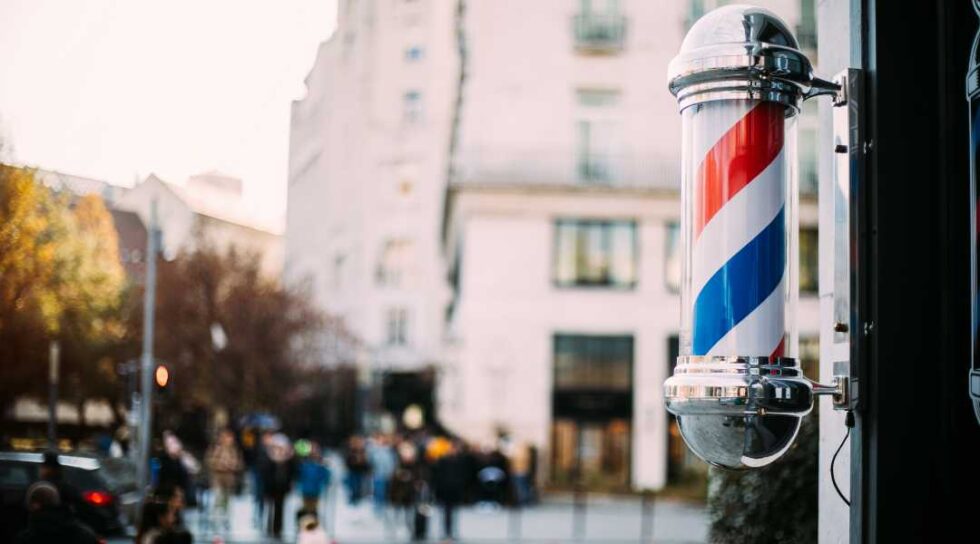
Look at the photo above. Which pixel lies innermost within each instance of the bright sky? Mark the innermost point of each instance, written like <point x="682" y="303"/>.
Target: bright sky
<point x="115" y="89"/>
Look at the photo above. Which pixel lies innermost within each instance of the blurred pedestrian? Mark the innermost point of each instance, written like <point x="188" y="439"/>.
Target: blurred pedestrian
<point x="450" y="478"/>
<point x="175" y="500"/>
<point x="224" y="461"/>
<point x="382" y="458"/>
<point x="358" y="466"/>
<point x="157" y="521"/>
<point x="48" y="522"/>
<point x="314" y="476"/>
<point x="409" y="493"/>
<point x="492" y="478"/>
<point x="69" y="498"/>
<point x="260" y="465"/>
<point x="520" y="465"/>
<point x="309" y="530"/>
<point x="172" y="469"/>
<point x="278" y="480"/>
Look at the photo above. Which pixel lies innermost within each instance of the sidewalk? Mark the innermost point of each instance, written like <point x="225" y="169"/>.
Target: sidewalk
<point x="606" y="520"/>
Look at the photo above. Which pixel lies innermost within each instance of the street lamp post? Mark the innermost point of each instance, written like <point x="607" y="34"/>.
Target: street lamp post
<point x="54" y="360"/>
<point x="146" y="362"/>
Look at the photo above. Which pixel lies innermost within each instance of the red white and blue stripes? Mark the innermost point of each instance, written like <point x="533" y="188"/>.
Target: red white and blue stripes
<point x="738" y="258"/>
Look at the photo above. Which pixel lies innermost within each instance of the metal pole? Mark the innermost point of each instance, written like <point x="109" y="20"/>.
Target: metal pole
<point x="54" y="356"/>
<point x="514" y="524"/>
<point x="578" y="513"/>
<point x="146" y="375"/>
<point x="646" y="518"/>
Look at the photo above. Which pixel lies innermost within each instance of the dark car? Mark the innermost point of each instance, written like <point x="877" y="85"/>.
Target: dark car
<point x="97" y="504"/>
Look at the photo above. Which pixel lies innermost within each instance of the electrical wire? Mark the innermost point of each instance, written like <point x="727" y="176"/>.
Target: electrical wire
<point x="849" y="421"/>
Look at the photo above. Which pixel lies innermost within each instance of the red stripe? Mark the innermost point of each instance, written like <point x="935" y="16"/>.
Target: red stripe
<point x="738" y="158"/>
<point x="780" y="350"/>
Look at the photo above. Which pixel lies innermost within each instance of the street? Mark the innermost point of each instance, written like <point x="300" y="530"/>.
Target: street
<point x="606" y="519"/>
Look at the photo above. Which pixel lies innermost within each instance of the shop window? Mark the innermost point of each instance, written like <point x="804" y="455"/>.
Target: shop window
<point x="595" y="253"/>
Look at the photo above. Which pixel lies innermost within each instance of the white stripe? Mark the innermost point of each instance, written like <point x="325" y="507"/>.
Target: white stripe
<point x="737" y="223"/>
<point x="760" y="332"/>
<point x="711" y="121"/>
<point x="763" y="461"/>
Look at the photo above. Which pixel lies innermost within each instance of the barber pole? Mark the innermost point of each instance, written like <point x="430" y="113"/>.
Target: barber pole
<point x="737" y="390"/>
<point x="738" y="228"/>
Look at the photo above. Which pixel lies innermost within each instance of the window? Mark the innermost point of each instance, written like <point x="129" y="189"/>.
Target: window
<point x="394" y="263"/>
<point x="414" y="53"/>
<point x="809" y="273"/>
<point x="597" y="129"/>
<point x="806" y="30"/>
<point x="397" y="327"/>
<point x="593" y="362"/>
<point x="808" y="161"/>
<point x="338" y="270"/>
<point x="595" y="253"/>
<point x="672" y="260"/>
<point x="599" y="6"/>
<point x="695" y="10"/>
<point x="412" y="109"/>
<point x="599" y="27"/>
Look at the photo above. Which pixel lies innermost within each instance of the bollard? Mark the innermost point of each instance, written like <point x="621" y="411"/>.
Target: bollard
<point x="514" y="524"/>
<point x="646" y="517"/>
<point x="578" y="514"/>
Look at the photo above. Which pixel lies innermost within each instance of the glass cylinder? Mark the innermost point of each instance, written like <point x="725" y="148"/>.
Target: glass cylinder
<point x="739" y="227"/>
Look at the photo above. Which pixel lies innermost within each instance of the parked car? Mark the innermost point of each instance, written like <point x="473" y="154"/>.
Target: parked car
<point x="120" y="475"/>
<point x="98" y="507"/>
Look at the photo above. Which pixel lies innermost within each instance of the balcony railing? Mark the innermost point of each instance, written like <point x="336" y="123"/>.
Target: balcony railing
<point x="549" y="167"/>
<point x="599" y="32"/>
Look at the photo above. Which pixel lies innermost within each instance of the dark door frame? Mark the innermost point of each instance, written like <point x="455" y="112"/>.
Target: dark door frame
<point x="915" y="474"/>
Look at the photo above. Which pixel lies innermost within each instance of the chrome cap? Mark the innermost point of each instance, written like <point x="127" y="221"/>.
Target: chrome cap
<point x="738" y="412"/>
<point x="740" y="52"/>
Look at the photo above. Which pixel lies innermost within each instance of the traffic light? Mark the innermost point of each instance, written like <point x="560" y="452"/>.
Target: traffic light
<point x="161" y="378"/>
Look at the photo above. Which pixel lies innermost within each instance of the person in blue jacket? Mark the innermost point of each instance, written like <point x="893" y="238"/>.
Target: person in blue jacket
<point x="314" y="476"/>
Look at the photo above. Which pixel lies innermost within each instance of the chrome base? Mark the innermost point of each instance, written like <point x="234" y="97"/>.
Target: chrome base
<point x="738" y="412"/>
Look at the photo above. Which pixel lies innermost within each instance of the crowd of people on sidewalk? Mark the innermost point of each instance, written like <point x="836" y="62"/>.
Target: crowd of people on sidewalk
<point x="404" y="477"/>
<point x="275" y="465"/>
<point x="412" y="473"/>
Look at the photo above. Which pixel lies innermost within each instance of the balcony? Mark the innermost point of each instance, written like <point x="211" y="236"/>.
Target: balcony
<point x="599" y="32"/>
<point x="566" y="168"/>
<point x="597" y="168"/>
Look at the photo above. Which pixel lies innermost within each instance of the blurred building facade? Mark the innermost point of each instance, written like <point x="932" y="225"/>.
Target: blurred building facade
<point x="537" y="243"/>
<point x="206" y="211"/>
<point x="129" y="227"/>
<point x="562" y="238"/>
<point x="368" y="148"/>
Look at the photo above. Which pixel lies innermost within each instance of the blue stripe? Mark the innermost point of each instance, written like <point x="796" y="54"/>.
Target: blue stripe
<point x="740" y="286"/>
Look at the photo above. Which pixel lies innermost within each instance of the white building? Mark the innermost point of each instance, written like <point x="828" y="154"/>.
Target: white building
<point x="368" y="154"/>
<point x="208" y="209"/>
<point x="561" y="236"/>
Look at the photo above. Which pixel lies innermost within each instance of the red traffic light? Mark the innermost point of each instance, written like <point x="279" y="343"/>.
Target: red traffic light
<point x="161" y="376"/>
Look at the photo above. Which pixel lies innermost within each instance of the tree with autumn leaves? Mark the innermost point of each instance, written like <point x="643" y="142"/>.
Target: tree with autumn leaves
<point x="60" y="280"/>
<point x="270" y="331"/>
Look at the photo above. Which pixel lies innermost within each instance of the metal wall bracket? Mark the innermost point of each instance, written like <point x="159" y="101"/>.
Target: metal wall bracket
<point x="851" y="149"/>
<point x="843" y="388"/>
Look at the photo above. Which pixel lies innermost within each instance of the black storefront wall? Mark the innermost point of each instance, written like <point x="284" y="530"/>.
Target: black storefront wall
<point x="917" y="444"/>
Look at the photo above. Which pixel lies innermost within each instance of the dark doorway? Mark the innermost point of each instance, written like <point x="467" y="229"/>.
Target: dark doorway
<point x="592" y="411"/>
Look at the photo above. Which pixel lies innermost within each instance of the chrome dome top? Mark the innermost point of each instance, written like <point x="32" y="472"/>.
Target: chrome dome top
<point x="740" y="51"/>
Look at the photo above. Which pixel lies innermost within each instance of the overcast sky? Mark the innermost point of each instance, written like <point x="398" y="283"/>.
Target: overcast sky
<point x="115" y="89"/>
